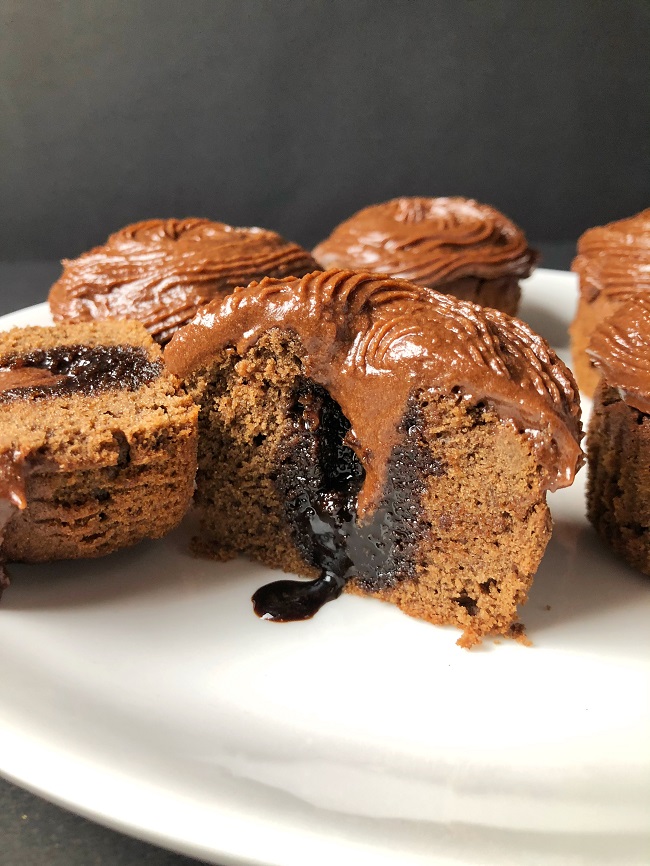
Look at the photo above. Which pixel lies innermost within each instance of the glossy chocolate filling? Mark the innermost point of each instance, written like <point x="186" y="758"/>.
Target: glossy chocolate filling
<point x="66" y="370"/>
<point x="319" y="478"/>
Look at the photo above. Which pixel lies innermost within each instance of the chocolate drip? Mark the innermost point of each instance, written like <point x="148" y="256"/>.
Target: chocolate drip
<point x="12" y="485"/>
<point x="294" y="600"/>
<point x="319" y="479"/>
<point x="67" y="370"/>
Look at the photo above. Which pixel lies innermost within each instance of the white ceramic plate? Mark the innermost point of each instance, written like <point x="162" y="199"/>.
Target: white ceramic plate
<point x="142" y="691"/>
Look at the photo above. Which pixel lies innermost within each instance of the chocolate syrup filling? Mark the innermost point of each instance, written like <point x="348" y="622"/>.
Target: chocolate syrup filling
<point x="319" y="478"/>
<point x="67" y="370"/>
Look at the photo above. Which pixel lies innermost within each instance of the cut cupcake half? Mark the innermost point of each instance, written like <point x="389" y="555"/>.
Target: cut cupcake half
<point x="380" y="439"/>
<point x="94" y="436"/>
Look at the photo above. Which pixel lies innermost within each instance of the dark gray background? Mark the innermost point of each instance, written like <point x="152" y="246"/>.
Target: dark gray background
<point x="292" y="115"/>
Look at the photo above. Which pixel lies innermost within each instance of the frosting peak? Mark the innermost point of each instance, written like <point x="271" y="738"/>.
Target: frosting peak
<point x="373" y="342"/>
<point x="191" y="231"/>
<point x="430" y="241"/>
<point x="161" y="271"/>
<point x="614" y="259"/>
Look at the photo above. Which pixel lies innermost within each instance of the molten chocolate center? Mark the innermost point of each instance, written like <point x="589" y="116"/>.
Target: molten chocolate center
<point x="319" y="478"/>
<point x="66" y="370"/>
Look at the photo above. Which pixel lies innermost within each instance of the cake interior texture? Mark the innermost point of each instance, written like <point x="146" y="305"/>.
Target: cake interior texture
<point x="97" y="466"/>
<point x="461" y="524"/>
<point x="618" y="492"/>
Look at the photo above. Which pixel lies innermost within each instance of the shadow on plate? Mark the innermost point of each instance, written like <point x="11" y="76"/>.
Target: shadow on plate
<point x="579" y="577"/>
<point x="152" y="568"/>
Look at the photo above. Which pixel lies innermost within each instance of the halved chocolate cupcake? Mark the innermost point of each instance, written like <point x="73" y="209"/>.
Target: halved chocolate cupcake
<point x="381" y="438"/>
<point x="94" y="436"/>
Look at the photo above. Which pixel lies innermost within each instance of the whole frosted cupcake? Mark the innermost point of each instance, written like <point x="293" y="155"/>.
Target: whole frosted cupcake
<point x="160" y="272"/>
<point x="613" y="265"/>
<point x="618" y="444"/>
<point x="453" y="245"/>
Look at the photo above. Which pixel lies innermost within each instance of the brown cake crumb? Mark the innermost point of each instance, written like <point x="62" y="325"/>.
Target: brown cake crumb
<point x="85" y="463"/>
<point x="618" y="491"/>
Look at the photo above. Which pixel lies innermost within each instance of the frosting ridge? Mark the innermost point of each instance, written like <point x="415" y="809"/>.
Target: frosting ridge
<point x="430" y="241"/>
<point x="161" y="271"/>
<point x="620" y="348"/>
<point x="614" y="259"/>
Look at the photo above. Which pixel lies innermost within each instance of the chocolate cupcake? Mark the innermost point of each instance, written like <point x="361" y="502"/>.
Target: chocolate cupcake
<point x="380" y="438"/>
<point x="160" y="272"/>
<point x="94" y="436"/>
<point x="618" y="443"/>
<point x="613" y="266"/>
<point x="453" y="245"/>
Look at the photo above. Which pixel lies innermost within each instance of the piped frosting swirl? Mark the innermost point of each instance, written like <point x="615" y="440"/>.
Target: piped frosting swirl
<point x="430" y="241"/>
<point x="373" y="341"/>
<point x="614" y="259"/>
<point x="620" y="348"/>
<point x="161" y="271"/>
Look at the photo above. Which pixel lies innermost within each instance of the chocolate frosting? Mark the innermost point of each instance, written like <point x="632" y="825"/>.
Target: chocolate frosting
<point x="373" y="341"/>
<point x="614" y="259"/>
<point x="430" y="241"/>
<point x="161" y="271"/>
<point x="620" y="348"/>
